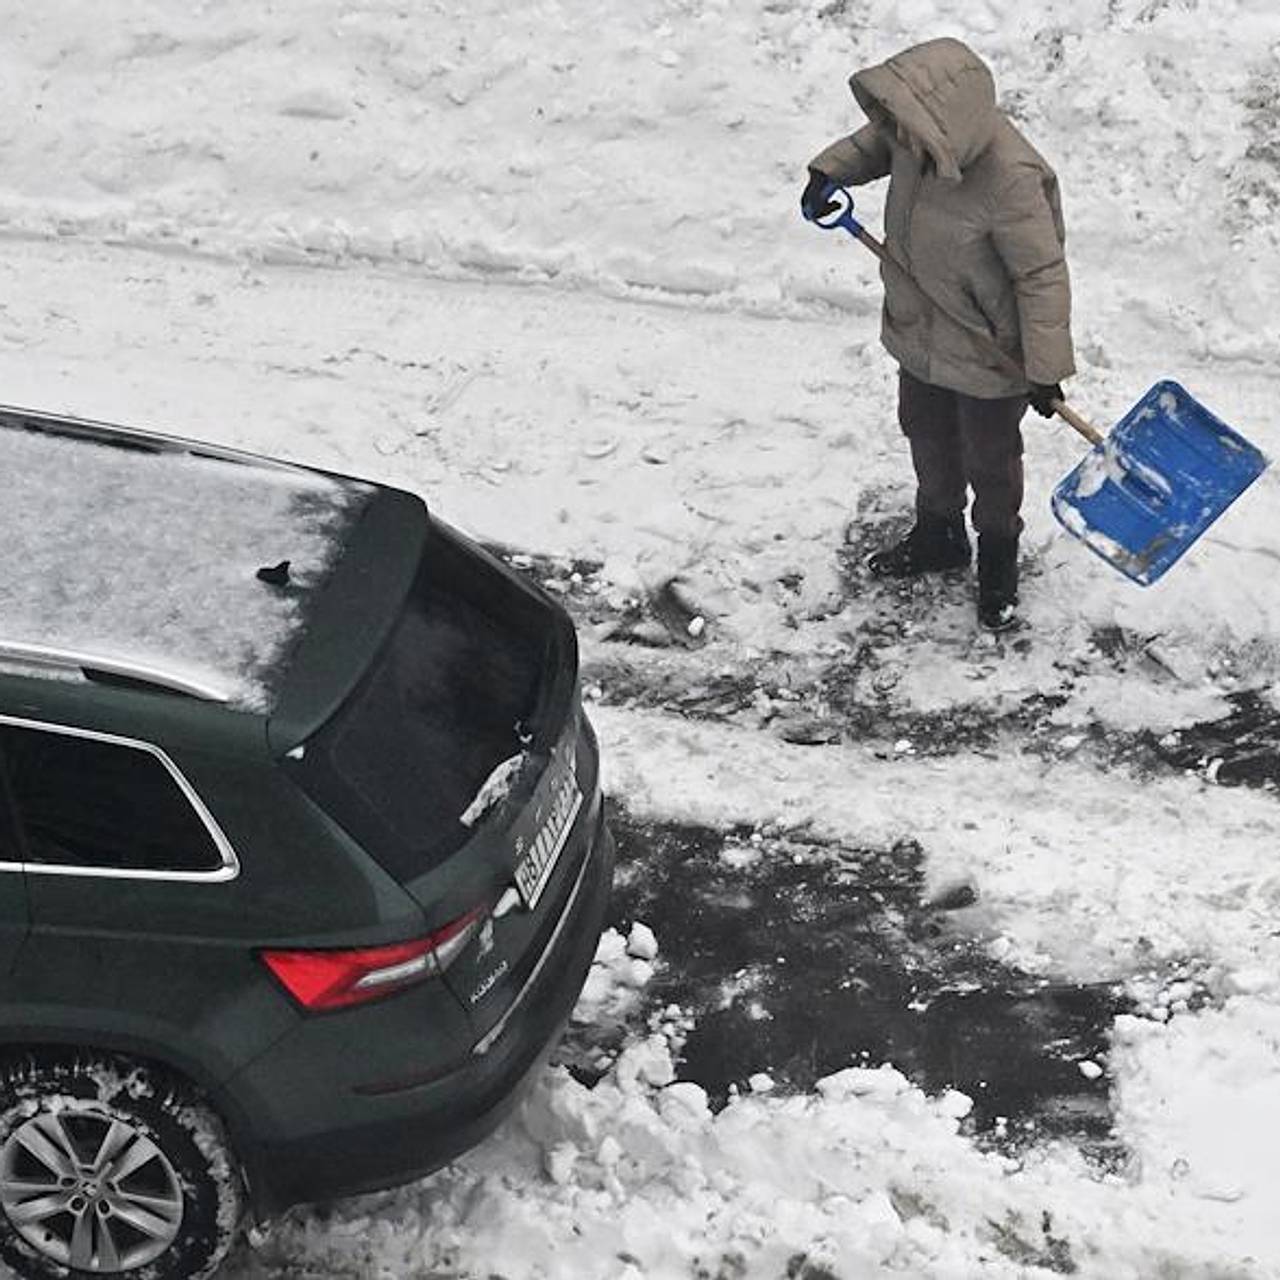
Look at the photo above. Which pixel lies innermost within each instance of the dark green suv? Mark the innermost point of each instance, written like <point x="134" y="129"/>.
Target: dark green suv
<point x="303" y="859"/>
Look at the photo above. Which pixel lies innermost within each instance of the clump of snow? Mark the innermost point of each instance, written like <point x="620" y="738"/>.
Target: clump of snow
<point x="740" y="856"/>
<point x="641" y="942"/>
<point x="866" y="1176"/>
<point x="617" y="976"/>
<point x="494" y="790"/>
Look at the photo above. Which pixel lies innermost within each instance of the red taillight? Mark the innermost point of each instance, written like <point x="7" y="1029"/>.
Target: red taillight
<point x="334" y="979"/>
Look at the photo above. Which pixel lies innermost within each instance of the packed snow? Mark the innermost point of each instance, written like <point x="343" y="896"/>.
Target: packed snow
<point x="545" y="267"/>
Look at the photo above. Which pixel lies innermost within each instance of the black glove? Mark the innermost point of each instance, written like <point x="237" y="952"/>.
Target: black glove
<point x="815" y="202"/>
<point x="1042" y="396"/>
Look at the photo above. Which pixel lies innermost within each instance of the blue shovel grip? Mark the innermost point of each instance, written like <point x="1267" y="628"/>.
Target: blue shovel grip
<point x="841" y="216"/>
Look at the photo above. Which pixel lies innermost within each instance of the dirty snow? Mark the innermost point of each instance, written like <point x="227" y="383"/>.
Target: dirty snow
<point x="547" y="270"/>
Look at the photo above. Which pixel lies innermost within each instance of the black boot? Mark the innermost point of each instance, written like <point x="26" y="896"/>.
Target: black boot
<point x="997" y="582"/>
<point x="935" y="543"/>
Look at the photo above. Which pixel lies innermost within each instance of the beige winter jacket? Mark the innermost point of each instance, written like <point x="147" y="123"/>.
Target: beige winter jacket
<point x="977" y="221"/>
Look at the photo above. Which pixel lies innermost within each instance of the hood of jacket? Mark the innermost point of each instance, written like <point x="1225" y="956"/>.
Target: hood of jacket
<point x="939" y="91"/>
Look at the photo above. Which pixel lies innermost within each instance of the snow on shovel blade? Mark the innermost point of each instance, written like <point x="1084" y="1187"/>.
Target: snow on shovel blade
<point x="1165" y="473"/>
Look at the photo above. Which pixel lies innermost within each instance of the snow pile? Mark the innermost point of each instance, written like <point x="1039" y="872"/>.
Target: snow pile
<point x="622" y="967"/>
<point x="637" y="1177"/>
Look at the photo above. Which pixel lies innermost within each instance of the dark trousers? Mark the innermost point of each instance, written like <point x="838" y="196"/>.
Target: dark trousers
<point x="959" y="443"/>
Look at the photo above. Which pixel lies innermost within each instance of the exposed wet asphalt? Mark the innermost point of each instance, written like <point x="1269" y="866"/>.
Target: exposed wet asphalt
<point x="796" y="958"/>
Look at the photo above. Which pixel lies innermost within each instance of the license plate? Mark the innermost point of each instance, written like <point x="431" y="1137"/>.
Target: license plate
<point x="556" y="806"/>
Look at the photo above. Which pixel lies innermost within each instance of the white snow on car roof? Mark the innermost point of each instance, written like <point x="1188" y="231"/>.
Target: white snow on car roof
<point x="148" y="560"/>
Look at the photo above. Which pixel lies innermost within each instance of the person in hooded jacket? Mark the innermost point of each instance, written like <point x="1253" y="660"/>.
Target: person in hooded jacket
<point x="973" y="214"/>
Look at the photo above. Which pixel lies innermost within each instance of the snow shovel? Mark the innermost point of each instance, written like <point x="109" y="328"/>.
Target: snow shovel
<point x="1146" y="491"/>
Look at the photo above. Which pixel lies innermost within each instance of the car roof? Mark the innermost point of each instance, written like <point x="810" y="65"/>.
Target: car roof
<point x="132" y="561"/>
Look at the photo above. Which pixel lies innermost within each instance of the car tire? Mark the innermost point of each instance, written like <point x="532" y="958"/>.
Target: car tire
<point x="111" y="1167"/>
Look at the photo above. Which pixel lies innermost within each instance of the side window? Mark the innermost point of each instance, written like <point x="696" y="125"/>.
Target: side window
<point x="9" y="851"/>
<point x="82" y="802"/>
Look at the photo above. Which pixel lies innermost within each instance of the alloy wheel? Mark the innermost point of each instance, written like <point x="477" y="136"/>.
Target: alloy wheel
<point x="89" y="1189"/>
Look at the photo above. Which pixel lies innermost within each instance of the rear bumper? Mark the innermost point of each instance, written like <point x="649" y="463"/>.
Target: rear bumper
<point x="369" y="1143"/>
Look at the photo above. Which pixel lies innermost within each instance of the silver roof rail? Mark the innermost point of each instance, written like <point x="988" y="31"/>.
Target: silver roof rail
<point x="43" y="655"/>
<point x="14" y="417"/>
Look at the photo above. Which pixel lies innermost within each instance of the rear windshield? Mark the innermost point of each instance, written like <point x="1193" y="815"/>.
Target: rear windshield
<point x="449" y="699"/>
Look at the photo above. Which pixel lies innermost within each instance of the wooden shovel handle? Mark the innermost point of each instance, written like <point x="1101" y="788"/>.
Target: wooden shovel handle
<point x="1072" y="418"/>
<point x="1060" y="407"/>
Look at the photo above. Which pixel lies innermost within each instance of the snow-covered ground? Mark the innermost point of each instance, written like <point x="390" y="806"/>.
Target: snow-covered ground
<point x="545" y="268"/>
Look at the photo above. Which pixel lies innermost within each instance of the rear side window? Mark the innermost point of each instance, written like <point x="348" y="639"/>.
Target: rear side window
<point x="102" y="805"/>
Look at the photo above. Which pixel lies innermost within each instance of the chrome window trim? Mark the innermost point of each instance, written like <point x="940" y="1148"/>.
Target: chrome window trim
<point x="230" y="867"/>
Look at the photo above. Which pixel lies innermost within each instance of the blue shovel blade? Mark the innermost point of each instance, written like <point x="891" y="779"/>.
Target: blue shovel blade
<point x="1166" y="472"/>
